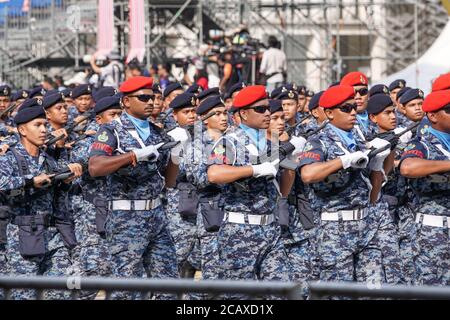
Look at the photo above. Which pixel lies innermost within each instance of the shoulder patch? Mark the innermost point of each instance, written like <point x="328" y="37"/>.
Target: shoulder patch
<point x="103" y="137"/>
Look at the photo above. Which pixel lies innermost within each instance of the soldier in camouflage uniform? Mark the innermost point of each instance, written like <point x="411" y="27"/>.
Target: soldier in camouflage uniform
<point x="40" y="232"/>
<point x="394" y="89"/>
<point x="426" y="162"/>
<point x="126" y="152"/>
<point x="249" y="240"/>
<point x="345" y="189"/>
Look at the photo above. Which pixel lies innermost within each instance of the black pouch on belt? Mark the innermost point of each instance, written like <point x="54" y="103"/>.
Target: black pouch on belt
<point x="188" y="200"/>
<point x="31" y="236"/>
<point x="283" y="212"/>
<point x="305" y="212"/>
<point x="212" y="213"/>
<point x="101" y="213"/>
<point x="4" y="220"/>
<point x="67" y="231"/>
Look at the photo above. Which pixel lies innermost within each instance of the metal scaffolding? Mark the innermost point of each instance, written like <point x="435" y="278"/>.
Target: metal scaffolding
<point x="323" y="39"/>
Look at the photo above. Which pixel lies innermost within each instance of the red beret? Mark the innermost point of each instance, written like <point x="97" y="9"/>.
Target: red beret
<point x="436" y="101"/>
<point x="249" y="95"/>
<point x="135" y="84"/>
<point x="355" y="79"/>
<point x="335" y="96"/>
<point x="441" y="83"/>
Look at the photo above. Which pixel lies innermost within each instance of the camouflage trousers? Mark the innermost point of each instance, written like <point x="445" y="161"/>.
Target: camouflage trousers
<point x="407" y="242"/>
<point x="55" y="262"/>
<point x="140" y="244"/>
<point x="361" y="250"/>
<point x="3" y="266"/>
<point x="251" y="252"/>
<point x="184" y="233"/>
<point x="433" y="259"/>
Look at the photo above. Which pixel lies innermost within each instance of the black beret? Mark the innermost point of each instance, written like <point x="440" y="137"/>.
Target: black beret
<point x="234" y="88"/>
<point x="208" y="93"/>
<point x="301" y="90"/>
<point x="275" y="105"/>
<point x="172" y="87"/>
<point x="276" y="92"/>
<point x="410" y="95"/>
<point x="105" y="103"/>
<point x="402" y="92"/>
<point x="20" y="94"/>
<point x="194" y="88"/>
<point x="286" y="94"/>
<point x="5" y="91"/>
<point x="314" y="102"/>
<point x="156" y="88"/>
<point x="30" y="110"/>
<point x="309" y="93"/>
<point x="399" y="83"/>
<point x="378" y="103"/>
<point x="81" y="90"/>
<point x="51" y="100"/>
<point x="66" y="93"/>
<point x="209" y="103"/>
<point x="378" y="89"/>
<point x="104" y="92"/>
<point x="50" y="92"/>
<point x="38" y="91"/>
<point x="184" y="100"/>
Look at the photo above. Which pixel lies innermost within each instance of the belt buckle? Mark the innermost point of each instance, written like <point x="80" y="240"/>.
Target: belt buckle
<point x="263" y="220"/>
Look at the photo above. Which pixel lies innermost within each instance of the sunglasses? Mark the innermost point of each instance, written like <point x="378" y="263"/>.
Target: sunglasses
<point x="347" y="108"/>
<point x="144" y="97"/>
<point x="362" y="91"/>
<point x="260" y="109"/>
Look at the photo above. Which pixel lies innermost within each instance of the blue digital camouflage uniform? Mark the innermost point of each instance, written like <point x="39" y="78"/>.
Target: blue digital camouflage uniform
<point x="94" y="257"/>
<point x="35" y="203"/>
<point x="183" y="228"/>
<point x="432" y="262"/>
<point x="350" y="250"/>
<point x="247" y="251"/>
<point x="138" y="240"/>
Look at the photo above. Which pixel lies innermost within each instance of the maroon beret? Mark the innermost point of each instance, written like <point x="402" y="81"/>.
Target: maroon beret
<point x="335" y="96"/>
<point x="355" y="79"/>
<point x="441" y="83"/>
<point x="135" y="84"/>
<point x="249" y="95"/>
<point x="436" y="101"/>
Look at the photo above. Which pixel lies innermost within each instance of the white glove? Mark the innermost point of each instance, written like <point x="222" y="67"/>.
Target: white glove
<point x="376" y="163"/>
<point x="358" y="160"/>
<point x="299" y="144"/>
<point x="404" y="138"/>
<point x="179" y="134"/>
<point x="266" y="169"/>
<point x="149" y="153"/>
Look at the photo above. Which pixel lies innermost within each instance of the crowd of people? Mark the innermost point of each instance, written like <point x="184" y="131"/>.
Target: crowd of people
<point x="137" y="178"/>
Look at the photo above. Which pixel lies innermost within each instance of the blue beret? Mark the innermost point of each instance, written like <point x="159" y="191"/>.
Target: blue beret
<point x="184" y="100"/>
<point x="402" y="92"/>
<point x="66" y="93"/>
<point x="30" y="110"/>
<point x="234" y="88"/>
<point x="195" y="89"/>
<point x="314" y="102"/>
<point x="81" y="90"/>
<point x="172" y="87"/>
<point x="52" y="99"/>
<point x="378" y="89"/>
<point x="286" y="94"/>
<point x="275" y="105"/>
<point x="19" y="94"/>
<point x="378" y="103"/>
<point x="38" y="91"/>
<point x="399" y="83"/>
<point x="208" y="93"/>
<point x="276" y="92"/>
<point x="5" y="91"/>
<point x="209" y="103"/>
<point x="410" y="95"/>
<point x="105" y="103"/>
<point x="104" y="92"/>
<point x="156" y="88"/>
<point x="50" y="92"/>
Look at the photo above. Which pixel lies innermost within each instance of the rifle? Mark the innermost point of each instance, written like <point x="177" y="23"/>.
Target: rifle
<point x="390" y="137"/>
<point x="291" y="129"/>
<point x="8" y="110"/>
<point x="286" y="148"/>
<point x="61" y="175"/>
<point x="69" y="128"/>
